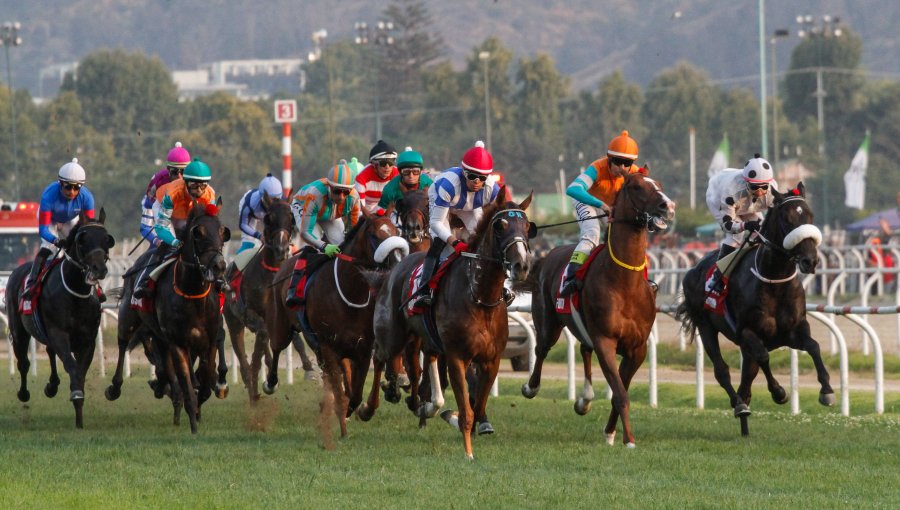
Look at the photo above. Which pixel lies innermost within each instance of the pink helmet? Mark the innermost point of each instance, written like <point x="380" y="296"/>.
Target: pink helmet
<point x="478" y="159"/>
<point x="178" y="156"/>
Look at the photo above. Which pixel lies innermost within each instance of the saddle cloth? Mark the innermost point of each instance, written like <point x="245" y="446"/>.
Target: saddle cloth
<point x="715" y="301"/>
<point x="27" y="307"/>
<point x="147" y="305"/>
<point x="564" y="304"/>
<point x="432" y="283"/>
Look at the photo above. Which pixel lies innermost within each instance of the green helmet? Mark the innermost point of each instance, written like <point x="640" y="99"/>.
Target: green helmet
<point x="197" y="171"/>
<point x="409" y="158"/>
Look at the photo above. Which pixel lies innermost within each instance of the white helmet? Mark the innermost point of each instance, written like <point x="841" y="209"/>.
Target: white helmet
<point x="271" y="185"/>
<point x="758" y="170"/>
<point x="72" y="172"/>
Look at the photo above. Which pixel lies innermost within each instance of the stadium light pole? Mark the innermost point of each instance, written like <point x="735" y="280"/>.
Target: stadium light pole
<point x="318" y="38"/>
<point x="9" y="36"/>
<point x="485" y="56"/>
<point x="382" y="37"/>
<point x="779" y="33"/>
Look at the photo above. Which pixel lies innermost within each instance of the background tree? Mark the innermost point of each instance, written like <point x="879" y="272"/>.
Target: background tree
<point x="416" y="45"/>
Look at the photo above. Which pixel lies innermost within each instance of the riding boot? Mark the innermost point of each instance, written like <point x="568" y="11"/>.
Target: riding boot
<point x="426" y="293"/>
<point x="717" y="283"/>
<point x="39" y="260"/>
<point x="570" y="283"/>
<point x="141" y="288"/>
<point x="294" y="300"/>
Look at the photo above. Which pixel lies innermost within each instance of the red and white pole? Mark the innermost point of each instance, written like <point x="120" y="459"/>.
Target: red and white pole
<point x="286" y="157"/>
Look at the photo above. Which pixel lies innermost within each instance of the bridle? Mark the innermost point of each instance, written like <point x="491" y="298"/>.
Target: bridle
<point x="642" y="218"/>
<point x="499" y="251"/>
<point x="195" y="258"/>
<point x="79" y="258"/>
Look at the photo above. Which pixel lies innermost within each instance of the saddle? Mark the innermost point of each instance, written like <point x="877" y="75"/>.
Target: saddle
<point x="715" y="300"/>
<point x="308" y="263"/>
<point x="564" y="304"/>
<point x="28" y="307"/>
<point x="148" y="305"/>
<point x="432" y="283"/>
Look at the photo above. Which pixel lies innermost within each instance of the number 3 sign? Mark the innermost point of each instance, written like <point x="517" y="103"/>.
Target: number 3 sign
<point x="285" y="111"/>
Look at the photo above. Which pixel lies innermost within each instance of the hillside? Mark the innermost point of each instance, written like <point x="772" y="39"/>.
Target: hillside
<point x="587" y="39"/>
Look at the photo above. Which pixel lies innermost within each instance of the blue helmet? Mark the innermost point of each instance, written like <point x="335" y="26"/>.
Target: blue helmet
<point x="271" y="185"/>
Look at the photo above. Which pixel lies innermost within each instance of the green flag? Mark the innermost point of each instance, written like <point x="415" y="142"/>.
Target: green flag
<point x="720" y="158"/>
<point x="855" y="178"/>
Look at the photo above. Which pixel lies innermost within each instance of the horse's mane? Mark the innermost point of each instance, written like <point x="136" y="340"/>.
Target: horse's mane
<point x="348" y="239"/>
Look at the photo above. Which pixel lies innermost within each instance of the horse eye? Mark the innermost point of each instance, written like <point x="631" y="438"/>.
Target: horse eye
<point x="501" y="224"/>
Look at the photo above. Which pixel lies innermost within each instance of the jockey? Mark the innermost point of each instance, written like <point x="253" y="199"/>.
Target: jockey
<point x="411" y="178"/>
<point x="327" y="202"/>
<point x="461" y="191"/>
<point x="737" y="200"/>
<point x="252" y="210"/>
<point x="61" y="203"/>
<point x="373" y="178"/>
<point x="592" y="192"/>
<point x="171" y="209"/>
<point x="177" y="159"/>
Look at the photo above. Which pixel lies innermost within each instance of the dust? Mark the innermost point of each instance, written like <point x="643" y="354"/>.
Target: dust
<point x="326" y="413"/>
<point x="261" y="415"/>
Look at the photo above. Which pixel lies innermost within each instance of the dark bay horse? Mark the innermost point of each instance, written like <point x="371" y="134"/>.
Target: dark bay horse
<point x="249" y="310"/>
<point x="68" y="311"/>
<point x="412" y="212"/>
<point x="767" y="299"/>
<point x="186" y="321"/>
<point x="469" y="311"/>
<point x="617" y="306"/>
<point x="339" y="308"/>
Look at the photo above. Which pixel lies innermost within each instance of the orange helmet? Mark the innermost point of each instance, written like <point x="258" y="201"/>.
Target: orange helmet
<point x="623" y="146"/>
<point x="340" y="176"/>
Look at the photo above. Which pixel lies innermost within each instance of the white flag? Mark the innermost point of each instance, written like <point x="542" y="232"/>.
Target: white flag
<point x="855" y="178"/>
<point x="720" y="158"/>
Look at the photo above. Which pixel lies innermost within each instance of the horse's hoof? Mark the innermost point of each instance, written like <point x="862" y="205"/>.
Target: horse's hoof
<point x="50" y="390"/>
<point x="311" y="375"/>
<point x="529" y="392"/>
<point x="582" y="406"/>
<point x="112" y="392"/>
<point x="827" y="399"/>
<point x="411" y="403"/>
<point x="780" y="396"/>
<point x="392" y="393"/>
<point x="403" y="382"/>
<point x="24" y="395"/>
<point x="364" y="413"/>
<point x="269" y="389"/>
<point x="629" y="445"/>
<point x="222" y="391"/>
<point x="611" y="438"/>
<point x="470" y="456"/>
<point x="452" y="417"/>
<point x="485" y="428"/>
<point x="159" y="390"/>
<point x="741" y="409"/>
<point x="76" y="395"/>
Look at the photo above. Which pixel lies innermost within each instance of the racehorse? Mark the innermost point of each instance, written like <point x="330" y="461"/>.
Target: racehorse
<point x="468" y="309"/>
<point x="67" y="315"/>
<point x="412" y="212"/>
<point x="338" y="315"/>
<point x="767" y="300"/>
<point x="185" y="320"/>
<point x="248" y="310"/>
<point x="617" y="306"/>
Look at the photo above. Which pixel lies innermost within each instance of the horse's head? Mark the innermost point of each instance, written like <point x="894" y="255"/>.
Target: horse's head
<point x="376" y="238"/>
<point x="89" y="245"/>
<point x="642" y="202"/>
<point x="504" y="234"/>
<point x="789" y="225"/>
<point x="278" y="226"/>
<point x="413" y="212"/>
<point x="204" y="238"/>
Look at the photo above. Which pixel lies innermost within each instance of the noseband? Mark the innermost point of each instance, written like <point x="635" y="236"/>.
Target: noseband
<point x="196" y="257"/>
<point x="642" y="218"/>
<point x="78" y="260"/>
<point x="792" y="236"/>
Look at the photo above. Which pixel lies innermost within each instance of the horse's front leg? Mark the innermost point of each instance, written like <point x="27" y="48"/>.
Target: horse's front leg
<point x="754" y="348"/>
<point x="177" y="394"/>
<point x="221" y="387"/>
<point x="548" y="330"/>
<point x="236" y="332"/>
<point x="62" y="348"/>
<point x="629" y="366"/>
<point x="487" y="373"/>
<point x="710" y="339"/>
<point x="436" y="402"/>
<point x="20" y="347"/>
<point x="181" y="360"/>
<point x="466" y="420"/>
<point x="53" y="383"/>
<point x="358" y="379"/>
<point x="83" y="358"/>
<point x="334" y="384"/>
<point x="583" y="404"/>
<point x="309" y="370"/>
<point x="605" y="347"/>
<point x="811" y="346"/>
<point x="367" y="410"/>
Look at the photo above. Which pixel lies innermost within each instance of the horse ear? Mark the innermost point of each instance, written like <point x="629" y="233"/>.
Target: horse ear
<point x="532" y="230"/>
<point x="501" y="197"/>
<point x="391" y="207"/>
<point x="365" y="212"/>
<point x="102" y="217"/>
<point x="219" y="201"/>
<point x="226" y="234"/>
<point x="527" y="202"/>
<point x="110" y="242"/>
<point x="266" y="199"/>
<point x="802" y="189"/>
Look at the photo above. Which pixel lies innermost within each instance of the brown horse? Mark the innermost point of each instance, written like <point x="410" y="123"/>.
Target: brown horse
<point x="186" y="320"/>
<point x="338" y="317"/>
<point x="469" y="312"/>
<point x="617" y="306"/>
<point x="249" y="309"/>
<point x="68" y="312"/>
<point x="412" y="213"/>
<point x="768" y="301"/>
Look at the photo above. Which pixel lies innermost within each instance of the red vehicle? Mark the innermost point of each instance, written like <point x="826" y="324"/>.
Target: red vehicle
<point x="19" y="238"/>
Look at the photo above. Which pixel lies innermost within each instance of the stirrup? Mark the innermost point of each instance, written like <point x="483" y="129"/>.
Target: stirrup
<point x="293" y="300"/>
<point x="570" y="285"/>
<point x="508" y="296"/>
<point x="142" y="292"/>
<point x="28" y="291"/>
<point x="424" y="301"/>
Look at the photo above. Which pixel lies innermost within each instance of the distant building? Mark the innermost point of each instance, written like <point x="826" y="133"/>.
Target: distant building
<point x="246" y="79"/>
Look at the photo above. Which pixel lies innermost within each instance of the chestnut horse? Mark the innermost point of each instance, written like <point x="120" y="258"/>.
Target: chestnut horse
<point x="337" y="321"/>
<point x="68" y="311"/>
<point x="186" y="321"/>
<point x="767" y="299"/>
<point x="469" y="313"/>
<point x="617" y="306"/>
<point x="249" y="310"/>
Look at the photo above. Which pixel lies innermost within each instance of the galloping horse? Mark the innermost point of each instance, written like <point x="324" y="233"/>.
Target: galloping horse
<point x="412" y="211"/>
<point x="186" y="319"/>
<point x="617" y="306"/>
<point x="67" y="315"/>
<point x="338" y="314"/>
<point x="767" y="299"/>
<point x="469" y="312"/>
<point x="249" y="309"/>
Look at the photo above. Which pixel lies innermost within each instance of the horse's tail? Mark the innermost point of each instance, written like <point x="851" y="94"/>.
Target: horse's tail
<point x="683" y="315"/>
<point x="530" y="284"/>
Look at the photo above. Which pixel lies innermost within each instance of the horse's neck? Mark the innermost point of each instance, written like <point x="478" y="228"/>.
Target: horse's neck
<point x="772" y="264"/>
<point x="626" y="244"/>
<point x="485" y="277"/>
<point x="73" y="276"/>
<point x="188" y="275"/>
<point x="267" y="256"/>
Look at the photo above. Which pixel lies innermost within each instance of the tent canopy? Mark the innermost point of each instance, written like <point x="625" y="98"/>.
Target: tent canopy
<point x="873" y="221"/>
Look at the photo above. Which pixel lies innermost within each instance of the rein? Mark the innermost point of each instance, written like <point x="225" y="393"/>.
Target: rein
<point x="182" y="293"/>
<point x="498" y="260"/>
<point x="619" y="262"/>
